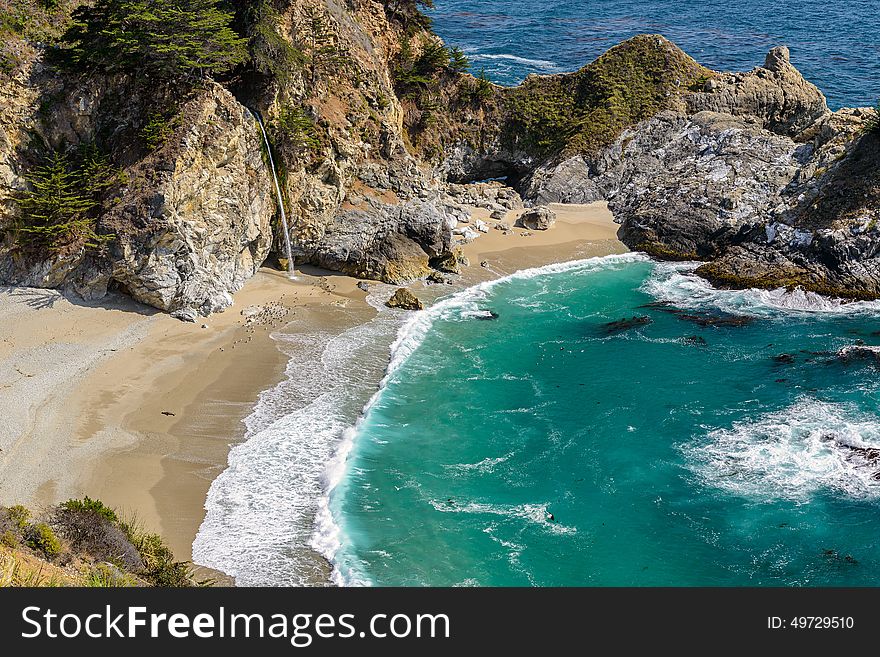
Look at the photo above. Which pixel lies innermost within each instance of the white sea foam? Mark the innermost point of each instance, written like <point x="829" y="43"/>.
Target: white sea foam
<point x="677" y="284"/>
<point x="793" y="453"/>
<point x="272" y="505"/>
<point x="260" y="510"/>
<point x="486" y="466"/>
<point x="535" y="514"/>
<point x="542" y="64"/>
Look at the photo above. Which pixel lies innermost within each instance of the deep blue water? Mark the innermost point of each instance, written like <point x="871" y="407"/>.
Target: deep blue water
<point x="835" y="43"/>
<point x="541" y="448"/>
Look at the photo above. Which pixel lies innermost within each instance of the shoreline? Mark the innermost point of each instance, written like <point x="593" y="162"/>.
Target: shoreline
<point x="149" y="426"/>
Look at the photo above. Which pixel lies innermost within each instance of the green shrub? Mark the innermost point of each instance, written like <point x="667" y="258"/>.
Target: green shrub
<point x="105" y="575"/>
<point x="157" y="130"/>
<point x="94" y="506"/>
<point x="41" y="538"/>
<point x="19" y="515"/>
<point x="9" y="539"/>
<point x="160" y="567"/>
<point x="41" y="21"/>
<point x="296" y="128"/>
<point x="92" y="528"/>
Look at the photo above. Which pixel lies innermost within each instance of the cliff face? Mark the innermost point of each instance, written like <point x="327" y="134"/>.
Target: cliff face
<point x="191" y="220"/>
<point x="377" y="141"/>
<point x="192" y="216"/>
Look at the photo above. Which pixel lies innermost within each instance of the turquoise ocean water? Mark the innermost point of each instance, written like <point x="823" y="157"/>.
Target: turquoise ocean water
<point x="546" y="448"/>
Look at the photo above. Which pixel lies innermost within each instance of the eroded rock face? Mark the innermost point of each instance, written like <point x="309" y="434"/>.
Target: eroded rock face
<point x="192" y="225"/>
<point x="209" y="213"/>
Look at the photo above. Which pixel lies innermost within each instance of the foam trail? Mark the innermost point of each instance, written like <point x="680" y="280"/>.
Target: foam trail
<point x="260" y="510"/>
<point x="535" y="63"/>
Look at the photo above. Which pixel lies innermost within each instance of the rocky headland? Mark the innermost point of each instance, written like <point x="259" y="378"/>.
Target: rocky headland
<point x="381" y="139"/>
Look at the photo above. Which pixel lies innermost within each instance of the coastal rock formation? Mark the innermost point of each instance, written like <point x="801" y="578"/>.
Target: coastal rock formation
<point x="379" y="141"/>
<point x="192" y="216"/>
<point x="405" y="300"/>
<point x="540" y="218"/>
<point x="191" y="223"/>
<point x="750" y="172"/>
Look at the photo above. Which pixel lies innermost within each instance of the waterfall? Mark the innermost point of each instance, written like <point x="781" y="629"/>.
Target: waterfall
<point x="290" y="267"/>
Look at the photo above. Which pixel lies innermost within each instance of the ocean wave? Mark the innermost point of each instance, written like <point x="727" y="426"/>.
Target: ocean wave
<point x="543" y="64"/>
<point x="677" y="284"/>
<point x="794" y="453"/>
<point x="262" y="510"/>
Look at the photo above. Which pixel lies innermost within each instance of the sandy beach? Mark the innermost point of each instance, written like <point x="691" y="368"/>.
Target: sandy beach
<point x="120" y="402"/>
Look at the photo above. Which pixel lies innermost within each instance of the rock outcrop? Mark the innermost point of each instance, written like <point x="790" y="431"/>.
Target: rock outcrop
<point x="750" y="172"/>
<point x="405" y="300"/>
<point x="192" y="221"/>
<point x="194" y="217"/>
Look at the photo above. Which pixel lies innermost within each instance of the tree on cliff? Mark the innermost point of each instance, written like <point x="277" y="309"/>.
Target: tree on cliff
<point x="163" y="38"/>
<point x="55" y="210"/>
<point x="409" y="12"/>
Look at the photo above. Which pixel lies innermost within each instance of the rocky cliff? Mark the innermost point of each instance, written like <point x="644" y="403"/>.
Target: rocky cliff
<point x="379" y="138"/>
<point x="750" y="172"/>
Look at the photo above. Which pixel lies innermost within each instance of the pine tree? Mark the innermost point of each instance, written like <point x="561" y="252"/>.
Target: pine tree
<point x="54" y="210"/>
<point x="271" y="54"/>
<point x="166" y="38"/>
<point x="458" y="61"/>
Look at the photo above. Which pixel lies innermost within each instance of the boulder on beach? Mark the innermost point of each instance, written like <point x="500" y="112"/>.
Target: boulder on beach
<point x="405" y="300"/>
<point x="538" y="218"/>
<point x="439" y="278"/>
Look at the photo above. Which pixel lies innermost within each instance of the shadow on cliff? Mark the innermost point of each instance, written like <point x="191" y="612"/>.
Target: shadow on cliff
<point x="848" y="189"/>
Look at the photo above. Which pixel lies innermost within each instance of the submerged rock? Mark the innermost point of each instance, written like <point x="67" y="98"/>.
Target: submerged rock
<point x="625" y="324"/>
<point x="695" y="340"/>
<point x="405" y="300"/>
<point x="784" y="359"/>
<point x="703" y="319"/>
<point x="859" y="352"/>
